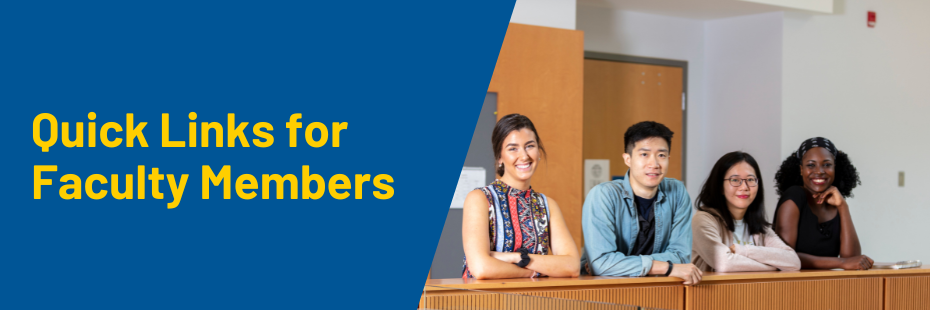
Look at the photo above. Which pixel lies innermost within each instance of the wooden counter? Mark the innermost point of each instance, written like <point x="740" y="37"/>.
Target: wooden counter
<point x="806" y="289"/>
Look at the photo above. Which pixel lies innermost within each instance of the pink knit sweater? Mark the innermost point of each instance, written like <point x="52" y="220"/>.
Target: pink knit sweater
<point x="710" y="250"/>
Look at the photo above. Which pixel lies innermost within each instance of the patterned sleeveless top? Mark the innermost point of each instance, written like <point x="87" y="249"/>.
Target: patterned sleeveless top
<point x="516" y="219"/>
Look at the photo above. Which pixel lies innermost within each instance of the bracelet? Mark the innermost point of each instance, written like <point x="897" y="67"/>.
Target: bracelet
<point x="669" y="268"/>
<point x="524" y="258"/>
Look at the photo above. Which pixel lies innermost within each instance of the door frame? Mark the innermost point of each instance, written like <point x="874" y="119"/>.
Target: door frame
<point x="684" y="88"/>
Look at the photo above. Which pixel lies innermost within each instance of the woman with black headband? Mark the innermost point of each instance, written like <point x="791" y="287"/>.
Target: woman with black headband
<point x="812" y="215"/>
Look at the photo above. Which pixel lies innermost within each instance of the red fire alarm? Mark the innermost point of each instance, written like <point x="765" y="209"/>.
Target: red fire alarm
<point x="871" y="19"/>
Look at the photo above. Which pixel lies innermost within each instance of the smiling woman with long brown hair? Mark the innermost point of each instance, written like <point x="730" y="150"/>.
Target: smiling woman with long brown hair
<point x="812" y="215"/>
<point x="508" y="229"/>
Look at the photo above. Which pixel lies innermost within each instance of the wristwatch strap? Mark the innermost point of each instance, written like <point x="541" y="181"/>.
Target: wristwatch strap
<point x="669" y="271"/>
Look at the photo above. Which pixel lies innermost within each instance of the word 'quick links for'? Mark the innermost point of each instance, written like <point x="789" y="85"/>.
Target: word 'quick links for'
<point x="45" y="132"/>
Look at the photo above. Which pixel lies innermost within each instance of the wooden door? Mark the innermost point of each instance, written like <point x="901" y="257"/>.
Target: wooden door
<point x="620" y="94"/>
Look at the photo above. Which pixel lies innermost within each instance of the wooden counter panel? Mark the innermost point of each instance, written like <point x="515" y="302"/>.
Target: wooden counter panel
<point x="907" y="293"/>
<point x="807" y="289"/>
<point x="708" y="278"/>
<point x="545" y="282"/>
<point x="463" y="301"/>
<point x="854" y="293"/>
<point x="720" y="277"/>
<point x="664" y="297"/>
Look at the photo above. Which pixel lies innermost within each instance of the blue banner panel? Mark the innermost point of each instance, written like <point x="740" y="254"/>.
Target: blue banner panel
<point x="234" y="154"/>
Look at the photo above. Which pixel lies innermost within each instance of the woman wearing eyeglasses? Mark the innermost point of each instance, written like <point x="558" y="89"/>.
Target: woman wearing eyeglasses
<point x="812" y="215"/>
<point x="729" y="229"/>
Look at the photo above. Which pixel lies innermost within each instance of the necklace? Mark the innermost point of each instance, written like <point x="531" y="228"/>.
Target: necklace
<point x="739" y="225"/>
<point x="740" y="242"/>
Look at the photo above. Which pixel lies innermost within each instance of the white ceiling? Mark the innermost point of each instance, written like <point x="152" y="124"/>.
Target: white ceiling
<point x="691" y="9"/>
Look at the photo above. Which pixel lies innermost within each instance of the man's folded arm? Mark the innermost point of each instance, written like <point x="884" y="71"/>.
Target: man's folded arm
<point x="616" y="264"/>
<point x="679" y="246"/>
<point x="601" y="236"/>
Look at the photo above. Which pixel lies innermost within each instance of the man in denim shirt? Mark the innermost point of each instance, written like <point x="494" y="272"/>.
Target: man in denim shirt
<point x="641" y="224"/>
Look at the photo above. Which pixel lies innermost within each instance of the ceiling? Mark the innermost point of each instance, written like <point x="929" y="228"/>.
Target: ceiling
<point x="690" y="9"/>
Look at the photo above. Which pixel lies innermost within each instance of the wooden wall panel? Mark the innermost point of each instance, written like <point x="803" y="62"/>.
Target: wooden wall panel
<point x="907" y="293"/>
<point x="851" y="294"/>
<point x="539" y="73"/>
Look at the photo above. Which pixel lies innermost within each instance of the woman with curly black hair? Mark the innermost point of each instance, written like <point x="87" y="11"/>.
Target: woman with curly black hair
<point x="812" y="215"/>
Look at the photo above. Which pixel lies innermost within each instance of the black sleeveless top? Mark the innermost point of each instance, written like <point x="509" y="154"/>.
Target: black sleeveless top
<point x="814" y="238"/>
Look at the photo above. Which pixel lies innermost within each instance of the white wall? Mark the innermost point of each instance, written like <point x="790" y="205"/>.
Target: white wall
<point x="742" y="81"/>
<point x="647" y="35"/>
<point x="865" y="89"/>
<point x="822" y="6"/>
<point x="547" y="13"/>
